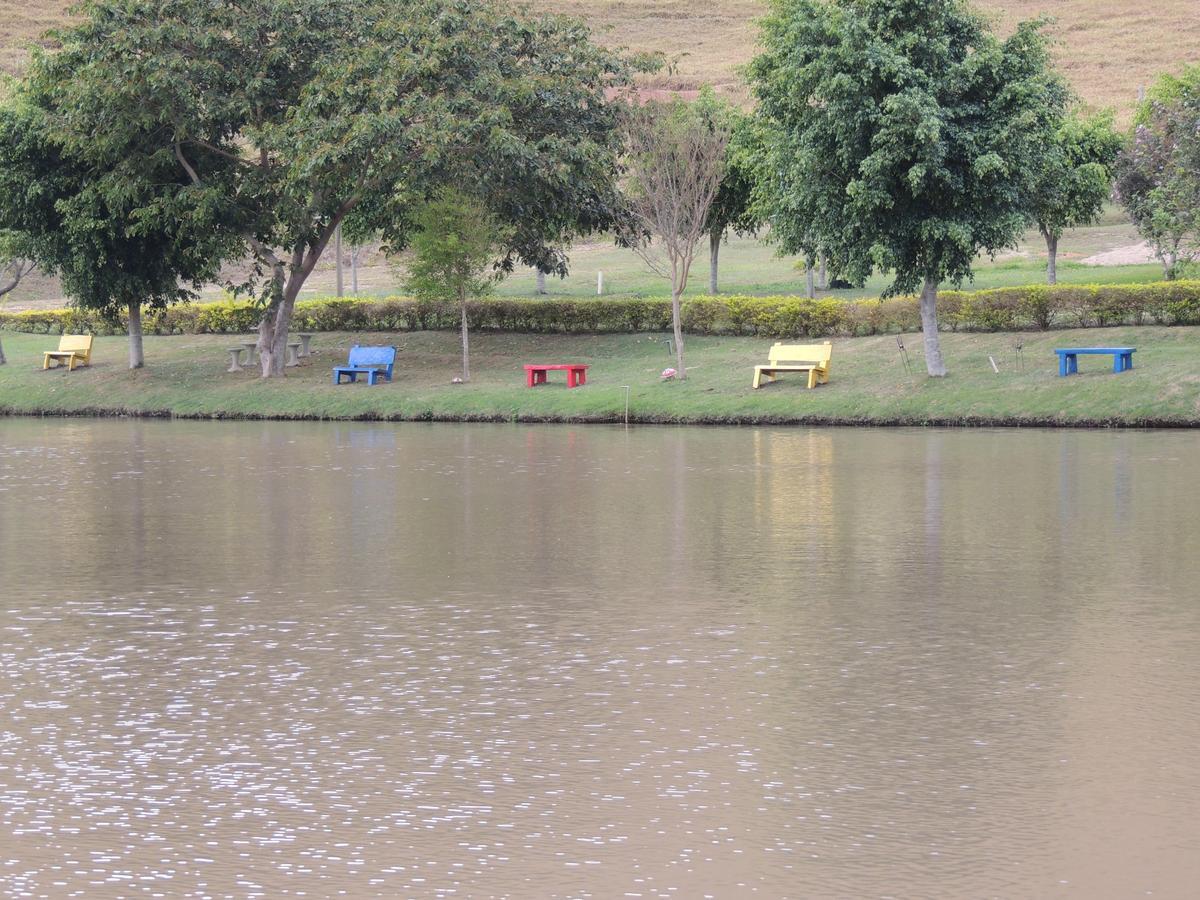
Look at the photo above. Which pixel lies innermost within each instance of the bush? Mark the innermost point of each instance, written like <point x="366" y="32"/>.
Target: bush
<point x="1034" y="307"/>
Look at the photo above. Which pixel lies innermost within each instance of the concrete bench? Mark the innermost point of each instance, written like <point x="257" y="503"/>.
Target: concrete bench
<point x="1068" y="358"/>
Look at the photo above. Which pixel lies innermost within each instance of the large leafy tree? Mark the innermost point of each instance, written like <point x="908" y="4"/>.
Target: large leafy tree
<point x="290" y="117"/>
<point x="904" y="137"/>
<point x="118" y="236"/>
<point x="1158" y="173"/>
<point x="1075" y="180"/>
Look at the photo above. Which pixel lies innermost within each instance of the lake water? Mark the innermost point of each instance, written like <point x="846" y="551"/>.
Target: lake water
<point x="274" y="659"/>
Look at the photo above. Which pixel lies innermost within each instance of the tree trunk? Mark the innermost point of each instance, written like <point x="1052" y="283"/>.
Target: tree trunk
<point x="1169" y="260"/>
<point x="466" y="342"/>
<point x="137" y="358"/>
<point x="354" y="251"/>
<point x="2" y="359"/>
<point x="677" y="324"/>
<point x="929" y="327"/>
<point x="541" y="281"/>
<point x="810" y="290"/>
<point x="823" y="275"/>
<point x="1051" y="258"/>
<point x="714" y="251"/>
<point x="273" y="329"/>
<point x="277" y="317"/>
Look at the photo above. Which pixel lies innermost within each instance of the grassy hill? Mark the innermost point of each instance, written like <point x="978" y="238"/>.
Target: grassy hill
<point x="1107" y="48"/>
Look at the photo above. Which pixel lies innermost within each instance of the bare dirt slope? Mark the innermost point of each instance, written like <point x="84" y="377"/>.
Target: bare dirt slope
<point x="1107" y="48"/>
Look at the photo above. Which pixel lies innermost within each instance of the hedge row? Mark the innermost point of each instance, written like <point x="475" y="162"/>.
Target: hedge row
<point x="1034" y="307"/>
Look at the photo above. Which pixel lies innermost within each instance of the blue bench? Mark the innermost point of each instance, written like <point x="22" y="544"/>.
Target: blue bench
<point x="1068" y="358"/>
<point x="375" y="362"/>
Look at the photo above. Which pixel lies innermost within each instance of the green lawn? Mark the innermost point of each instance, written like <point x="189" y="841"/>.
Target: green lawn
<point x="750" y="266"/>
<point x="185" y="376"/>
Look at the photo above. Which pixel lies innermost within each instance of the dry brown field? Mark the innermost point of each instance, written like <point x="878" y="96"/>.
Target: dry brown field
<point x="1106" y="48"/>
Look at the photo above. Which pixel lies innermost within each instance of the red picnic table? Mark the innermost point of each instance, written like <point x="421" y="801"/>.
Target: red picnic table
<point x="536" y="374"/>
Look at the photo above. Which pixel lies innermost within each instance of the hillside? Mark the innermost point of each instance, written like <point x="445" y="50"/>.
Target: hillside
<point x="1107" y="48"/>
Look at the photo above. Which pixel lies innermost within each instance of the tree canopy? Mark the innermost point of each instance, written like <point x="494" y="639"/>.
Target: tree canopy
<point x="118" y="236"/>
<point x="903" y="136"/>
<point x="1076" y="177"/>
<point x="453" y="248"/>
<point x="732" y="208"/>
<point x="1158" y="174"/>
<point x="288" y="117"/>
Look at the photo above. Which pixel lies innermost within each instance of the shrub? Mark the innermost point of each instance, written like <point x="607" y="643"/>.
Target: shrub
<point x="1001" y="309"/>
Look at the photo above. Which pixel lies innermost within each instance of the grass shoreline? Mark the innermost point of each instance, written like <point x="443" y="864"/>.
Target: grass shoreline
<point x="741" y="422"/>
<point x="186" y="379"/>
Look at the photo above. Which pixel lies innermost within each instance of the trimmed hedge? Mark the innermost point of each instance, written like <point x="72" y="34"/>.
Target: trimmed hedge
<point x="1033" y="307"/>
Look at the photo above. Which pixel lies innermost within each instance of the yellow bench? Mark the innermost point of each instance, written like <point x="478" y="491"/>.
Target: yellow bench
<point x="73" y="349"/>
<point x="810" y="358"/>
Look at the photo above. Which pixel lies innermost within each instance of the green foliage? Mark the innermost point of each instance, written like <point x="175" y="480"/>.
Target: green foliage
<point x="294" y="114"/>
<point x="1077" y="173"/>
<point x="902" y="135"/>
<point x="115" y="234"/>
<point x="1033" y="307"/>
<point x="452" y="249"/>
<point x="732" y="208"/>
<point x="1158" y="174"/>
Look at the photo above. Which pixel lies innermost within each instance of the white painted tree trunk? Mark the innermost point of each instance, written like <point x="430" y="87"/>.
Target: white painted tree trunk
<point x="929" y="327"/>
<point x="137" y="358"/>
<point x="677" y="324"/>
<point x="541" y="281"/>
<point x="810" y="289"/>
<point x="822" y="274"/>
<point x="714" y="252"/>
<point x="1051" y="259"/>
<point x="354" y="251"/>
<point x="466" y="342"/>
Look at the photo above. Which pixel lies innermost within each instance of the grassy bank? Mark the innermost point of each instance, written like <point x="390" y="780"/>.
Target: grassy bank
<point x="186" y="377"/>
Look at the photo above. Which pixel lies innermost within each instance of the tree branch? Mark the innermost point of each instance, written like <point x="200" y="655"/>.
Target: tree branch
<point x="186" y="166"/>
<point x="225" y="153"/>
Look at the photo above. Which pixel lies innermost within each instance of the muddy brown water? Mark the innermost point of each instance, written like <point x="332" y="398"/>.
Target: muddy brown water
<point x="276" y="659"/>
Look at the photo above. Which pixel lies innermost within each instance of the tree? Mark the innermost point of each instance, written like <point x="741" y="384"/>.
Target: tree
<point x="289" y="117"/>
<point x="675" y="163"/>
<point x="14" y="266"/>
<point x="903" y="136"/>
<point x="453" y="249"/>
<point x="732" y="208"/>
<point x="1076" y="179"/>
<point x="1158" y="173"/>
<point x="118" y="237"/>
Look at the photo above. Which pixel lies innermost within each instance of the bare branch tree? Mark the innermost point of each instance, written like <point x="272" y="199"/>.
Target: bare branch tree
<point x="674" y="167"/>
<point x="11" y="273"/>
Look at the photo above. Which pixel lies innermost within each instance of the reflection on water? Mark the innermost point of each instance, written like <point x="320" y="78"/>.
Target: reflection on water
<point x="271" y="659"/>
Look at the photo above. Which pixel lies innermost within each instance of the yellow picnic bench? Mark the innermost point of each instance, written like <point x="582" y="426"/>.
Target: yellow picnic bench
<point x="810" y="358"/>
<point x="73" y="349"/>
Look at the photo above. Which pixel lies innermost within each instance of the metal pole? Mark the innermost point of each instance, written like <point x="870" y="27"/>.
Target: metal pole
<point x="337" y="251"/>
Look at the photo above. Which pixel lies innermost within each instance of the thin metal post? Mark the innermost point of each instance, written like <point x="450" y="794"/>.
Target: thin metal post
<point x="337" y="251"/>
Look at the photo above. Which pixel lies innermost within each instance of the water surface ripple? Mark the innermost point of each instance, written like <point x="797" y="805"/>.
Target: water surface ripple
<point x="271" y="659"/>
